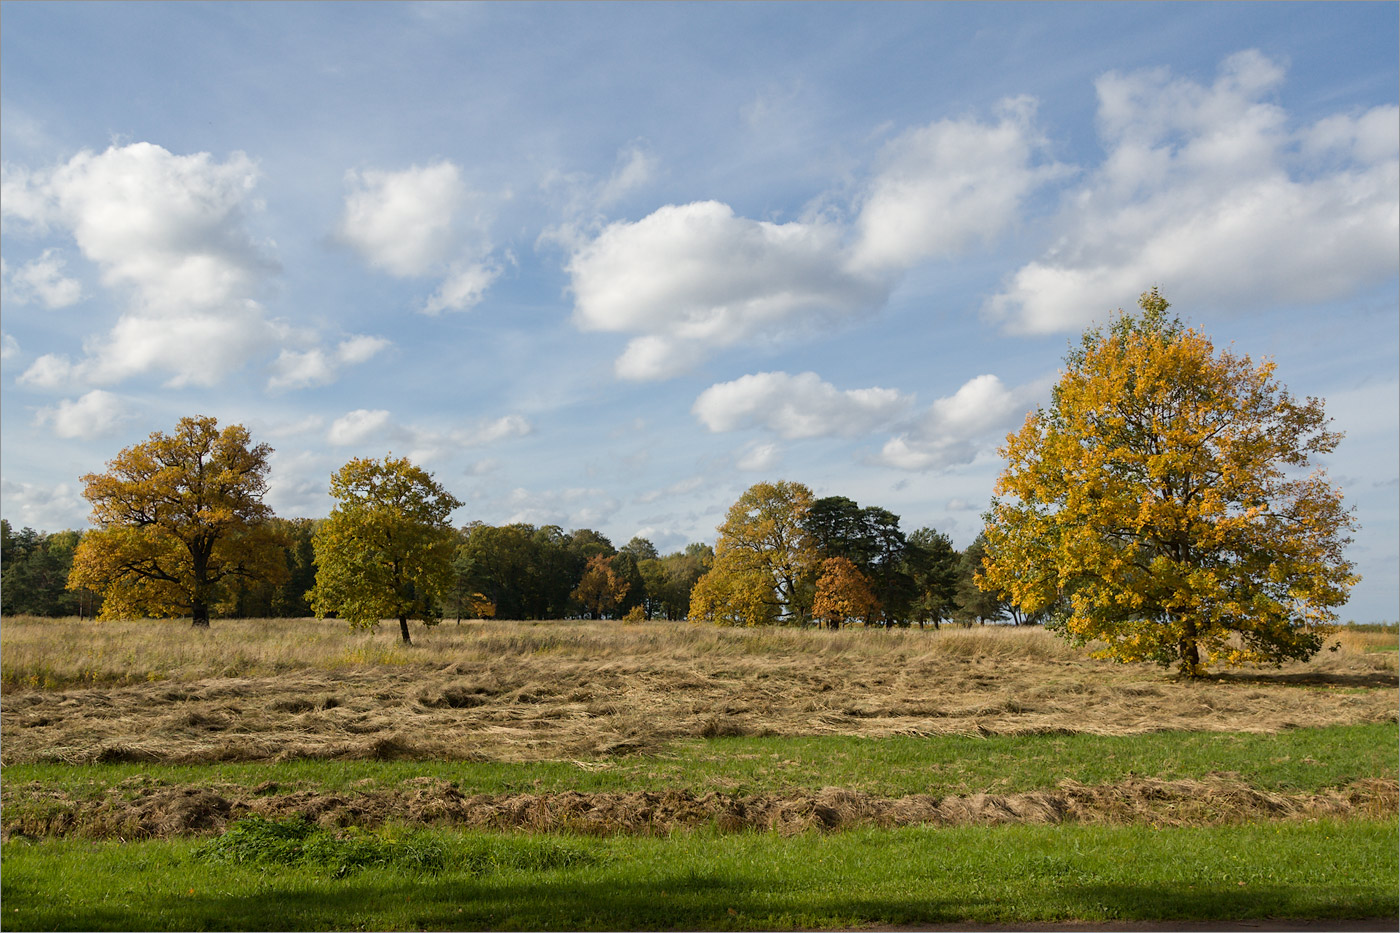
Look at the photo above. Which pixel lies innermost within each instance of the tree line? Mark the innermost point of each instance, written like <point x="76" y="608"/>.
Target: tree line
<point x="521" y="571"/>
<point x="1163" y="508"/>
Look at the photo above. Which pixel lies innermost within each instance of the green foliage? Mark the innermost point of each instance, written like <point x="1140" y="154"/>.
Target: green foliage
<point x="386" y="550"/>
<point x="268" y="843"/>
<point x="34" y="578"/>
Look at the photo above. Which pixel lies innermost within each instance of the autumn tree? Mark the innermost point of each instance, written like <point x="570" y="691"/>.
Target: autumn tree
<point x="178" y="518"/>
<point x="386" y="550"/>
<point x="1163" y="501"/>
<point x="602" y="588"/>
<point x="761" y="557"/>
<point x="843" y="594"/>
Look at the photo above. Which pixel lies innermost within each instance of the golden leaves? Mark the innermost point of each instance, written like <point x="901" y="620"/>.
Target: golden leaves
<point x="1159" y="502"/>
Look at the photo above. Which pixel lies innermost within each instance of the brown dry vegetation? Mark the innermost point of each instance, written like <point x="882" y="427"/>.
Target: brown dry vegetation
<point x="269" y="690"/>
<point x="141" y="808"/>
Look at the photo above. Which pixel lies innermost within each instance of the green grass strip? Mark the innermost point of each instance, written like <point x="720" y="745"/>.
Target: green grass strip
<point x="1300" y="760"/>
<point x="1007" y="874"/>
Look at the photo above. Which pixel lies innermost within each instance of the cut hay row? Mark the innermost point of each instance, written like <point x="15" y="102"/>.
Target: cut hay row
<point x="164" y="811"/>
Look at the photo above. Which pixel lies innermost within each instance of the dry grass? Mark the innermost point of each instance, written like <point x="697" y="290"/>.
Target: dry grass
<point x="141" y="808"/>
<point x="280" y="689"/>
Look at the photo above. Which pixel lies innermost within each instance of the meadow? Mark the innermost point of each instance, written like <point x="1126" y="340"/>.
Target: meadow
<point x="571" y="775"/>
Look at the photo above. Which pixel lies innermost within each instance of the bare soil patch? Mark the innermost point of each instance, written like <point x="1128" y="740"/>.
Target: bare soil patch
<point x="160" y="692"/>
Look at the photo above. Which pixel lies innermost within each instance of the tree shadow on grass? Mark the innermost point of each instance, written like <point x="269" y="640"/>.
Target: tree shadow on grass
<point x="695" y="901"/>
<point x="1307" y="679"/>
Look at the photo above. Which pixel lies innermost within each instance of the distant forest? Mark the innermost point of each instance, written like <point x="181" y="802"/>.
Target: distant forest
<point x="520" y="571"/>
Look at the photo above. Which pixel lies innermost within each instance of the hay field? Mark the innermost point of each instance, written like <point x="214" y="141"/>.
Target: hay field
<point x="276" y="690"/>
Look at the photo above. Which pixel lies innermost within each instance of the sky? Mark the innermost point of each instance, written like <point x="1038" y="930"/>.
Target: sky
<point x="607" y="266"/>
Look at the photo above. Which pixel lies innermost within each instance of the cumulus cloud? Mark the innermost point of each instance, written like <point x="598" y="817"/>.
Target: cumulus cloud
<point x="401" y="222"/>
<point x="1208" y="192"/>
<point x="9" y="347"/>
<point x="410" y="224"/>
<point x="171" y="232"/>
<point x="93" y="415"/>
<point x="694" y="277"/>
<point x="941" y="187"/>
<point x="42" y="281"/>
<point x="796" y="406"/>
<point x="294" y="369"/>
<point x="959" y="427"/>
<point x="688" y="279"/>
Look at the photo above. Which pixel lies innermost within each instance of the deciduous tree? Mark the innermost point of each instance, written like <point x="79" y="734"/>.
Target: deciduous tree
<point x="602" y="589"/>
<point x="761" y="557"/>
<point x="386" y="550"/>
<point x="1164" y="500"/>
<point x="178" y="517"/>
<point x="843" y="594"/>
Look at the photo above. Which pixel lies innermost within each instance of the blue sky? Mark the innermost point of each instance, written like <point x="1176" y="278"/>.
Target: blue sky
<point x="609" y="265"/>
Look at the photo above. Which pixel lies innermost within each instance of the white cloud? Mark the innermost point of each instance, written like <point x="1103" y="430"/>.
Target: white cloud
<point x="568" y="508"/>
<point x="1207" y="193"/>
<point x="42" y="280"/>
<point x="401" y="222"/>
<point x="958" y="428"/>
<point x="29" y="505"/>
<point x="360" y="425"/>
<point x="410" y="224"/>
<point x="50" y="371"/>
<point x="635" y="169"/>
<point x="295" y="369"/>
<point x="170" y="231"/>
<point x="463" y="287"/>
<point x="694" y="277"/>
<point x="93" y="415"/>
<point x="365" y="426"/>
<point x="796" y="406"/>
<point x="759" y="457"/>
<point x="941" y="187"/>
<point x="9" y="347"/>
<point x="680" y="488"/>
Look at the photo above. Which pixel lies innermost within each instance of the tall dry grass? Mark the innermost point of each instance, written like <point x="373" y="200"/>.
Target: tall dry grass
<point x="266" y="689"/>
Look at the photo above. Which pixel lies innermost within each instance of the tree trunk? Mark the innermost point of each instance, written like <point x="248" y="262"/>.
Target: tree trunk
<point x="200" y="610"/>
<point x="403" y="629"/>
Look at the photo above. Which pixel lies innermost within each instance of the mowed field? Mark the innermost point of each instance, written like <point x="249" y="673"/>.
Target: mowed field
<point x="294" y="774"/>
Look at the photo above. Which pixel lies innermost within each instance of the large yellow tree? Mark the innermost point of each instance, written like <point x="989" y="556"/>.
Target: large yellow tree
<point x="761" y="558"/>
<point x="386" y="550"/>
<point x="1164" y="504"/>
<point x="179" y="517"/>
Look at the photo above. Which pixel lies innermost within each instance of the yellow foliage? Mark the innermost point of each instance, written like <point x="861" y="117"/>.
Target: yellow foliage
<point x="178" y="518"/>
<point x="1161" y="505"/>
<point x="843" y="594"/>
<point x="761" y="555"/>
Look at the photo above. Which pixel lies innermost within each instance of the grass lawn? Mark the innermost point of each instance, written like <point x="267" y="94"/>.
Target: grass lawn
<point x="703" y="880"/>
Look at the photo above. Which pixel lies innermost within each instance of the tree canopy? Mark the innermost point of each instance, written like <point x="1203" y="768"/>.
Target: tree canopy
<point x="762" y="555"/>
<point x="179" y="517"/>
<point x="386" y="550"/>
<point x="1163" y="505"/>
